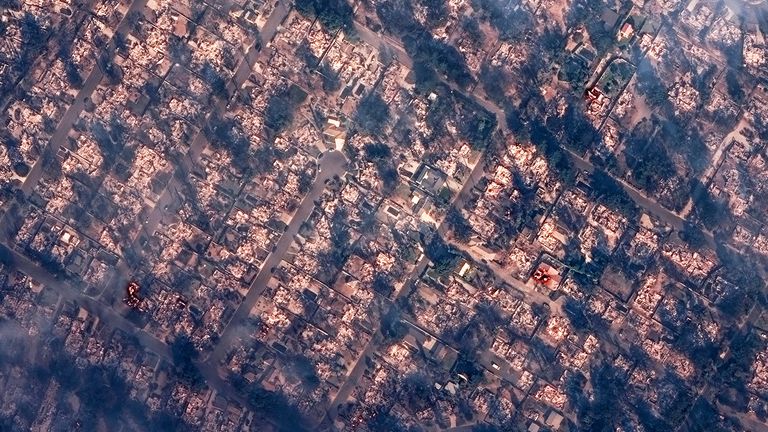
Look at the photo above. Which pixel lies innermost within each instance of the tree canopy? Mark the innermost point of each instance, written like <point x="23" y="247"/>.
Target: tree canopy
<point x="332" y="14"/>
<point x="372" y="114"/>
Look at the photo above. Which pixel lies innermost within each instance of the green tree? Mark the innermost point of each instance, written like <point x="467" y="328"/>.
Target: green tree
<point x="441" y="254"/>
<point x="372" y="114"/>
<point x="458" y="225"/>
<point x="332" y="14"/>
<point x="184" y="356"/>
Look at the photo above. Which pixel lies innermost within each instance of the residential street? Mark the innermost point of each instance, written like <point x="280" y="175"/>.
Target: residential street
<point x="70" y="293"/>
<point x="73" y="112"/>
<point x="188" y="197"/>
<point x="421" y="265"/>
<point x="641" y="199"/>
<point x="331" y="164"/>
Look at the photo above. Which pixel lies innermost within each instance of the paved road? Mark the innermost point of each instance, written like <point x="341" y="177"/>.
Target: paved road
<point x="383" y="42"/>
<point x="331" y="164"/>
<point x="718" y="158"/>
<point x="73" y="112"/>
<point x="640" y="198"/>
<point x="373" y="345"/>
<point x="70" y="117"/>
<point x="504" y="275"/>
<point x="275" y="19"/>
<point x="647" y="203"/>
<point x="359" y="366"/>
<point x="255" y="53"/>
<point x="200" y="142"/>
<point x="67" y="121"/>
<point x="69" y="293"/>
<point x="109" y="318"/>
